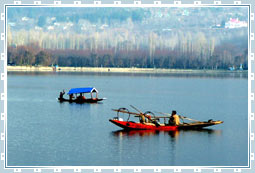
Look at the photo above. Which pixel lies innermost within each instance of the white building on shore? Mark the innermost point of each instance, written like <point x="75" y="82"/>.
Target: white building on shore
<point x="235" y="23"/>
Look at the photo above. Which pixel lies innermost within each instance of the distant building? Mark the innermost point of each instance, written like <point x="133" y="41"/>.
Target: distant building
<point x="69" y="24"/>
<point x="50" y="28"/>
<point x="103" y="26"/>
<point x="241" y="67"/>
<point x="231" y="68"/>
<point x="38" y="28"/>
<point x="57" y="24"/>
<point x="83" y="28"/>
<point x="217" y="26"/>
<point x="24" y="19"/>
<point x="235" y="23"/>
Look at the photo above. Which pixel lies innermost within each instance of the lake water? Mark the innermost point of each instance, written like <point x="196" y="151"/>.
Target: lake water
<point x="44" y="132"/>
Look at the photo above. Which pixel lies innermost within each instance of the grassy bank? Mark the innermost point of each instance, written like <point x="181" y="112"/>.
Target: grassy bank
<point x="112" y="70"/>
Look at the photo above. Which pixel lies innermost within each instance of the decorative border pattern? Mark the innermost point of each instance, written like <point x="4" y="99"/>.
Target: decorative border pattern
<point x="130" y="3"/>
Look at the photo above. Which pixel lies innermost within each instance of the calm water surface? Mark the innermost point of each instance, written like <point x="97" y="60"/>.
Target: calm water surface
<point x="42" y="131"/>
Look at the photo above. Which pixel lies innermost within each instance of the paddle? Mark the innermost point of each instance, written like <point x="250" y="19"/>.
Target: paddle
<point x="167" y="114"/>
<point x="136" y="109"/>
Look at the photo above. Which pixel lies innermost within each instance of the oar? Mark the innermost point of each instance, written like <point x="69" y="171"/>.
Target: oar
<point x="139" y="111"/>
<point x="167" y="114"/>
<point x="189" y="119"/>
<point x="156" y="123"/>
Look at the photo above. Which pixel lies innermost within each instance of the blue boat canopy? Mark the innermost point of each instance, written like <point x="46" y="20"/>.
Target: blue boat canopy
<point x="82" y="90"/>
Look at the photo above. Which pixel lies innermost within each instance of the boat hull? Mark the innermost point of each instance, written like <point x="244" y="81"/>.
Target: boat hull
<point x="198" y="125"/>
<point x="80" y="101"/>
<point x="129" y="125"/>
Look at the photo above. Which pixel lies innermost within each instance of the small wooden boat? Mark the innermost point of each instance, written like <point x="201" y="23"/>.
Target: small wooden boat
<point x="89" y="100"/>
<point x="130" y="125"/>
<point x="81" y="98"/>
<point x="153" y="122"/>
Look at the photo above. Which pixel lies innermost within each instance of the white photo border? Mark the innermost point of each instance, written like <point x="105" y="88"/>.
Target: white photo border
<point x="131" y="3"/>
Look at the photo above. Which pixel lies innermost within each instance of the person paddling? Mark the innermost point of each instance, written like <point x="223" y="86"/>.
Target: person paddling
<point x="61" y="94"/>
<point x="174" y="119"/>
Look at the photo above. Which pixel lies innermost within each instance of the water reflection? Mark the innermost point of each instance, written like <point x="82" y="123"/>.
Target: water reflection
<point x="76" y="108"/>
<point x="169" y="143"/>
<point x="78" y="104"/>
<point x="192" y="132"/>
<point x="172" y="134"/>
<point x="130" y="133"/>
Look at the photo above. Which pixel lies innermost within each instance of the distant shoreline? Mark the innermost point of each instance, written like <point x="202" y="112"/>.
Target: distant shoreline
<point x="113" y="70"/>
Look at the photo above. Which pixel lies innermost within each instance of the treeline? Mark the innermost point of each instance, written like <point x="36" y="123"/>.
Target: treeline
<point x="220" y="59"/>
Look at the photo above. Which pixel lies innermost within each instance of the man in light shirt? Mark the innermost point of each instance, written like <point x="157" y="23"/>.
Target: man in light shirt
<point x="174" y="119"/>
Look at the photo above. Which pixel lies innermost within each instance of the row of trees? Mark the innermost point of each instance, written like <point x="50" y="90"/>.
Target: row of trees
<point x="125" y="38"/>
<point x="27" y="56"/>
<point x="220" y="59"/>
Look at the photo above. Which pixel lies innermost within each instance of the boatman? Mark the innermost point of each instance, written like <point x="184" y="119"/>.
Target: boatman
<point x="174" y="119"/>
<point x="142" y="119"/>
<point x="61" y="94"/>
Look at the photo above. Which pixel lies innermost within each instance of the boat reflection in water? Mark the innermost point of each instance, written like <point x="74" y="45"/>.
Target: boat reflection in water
<point x="122" y="133"/>
<point x="171" y="146"/>
<point x="172" y="134"/>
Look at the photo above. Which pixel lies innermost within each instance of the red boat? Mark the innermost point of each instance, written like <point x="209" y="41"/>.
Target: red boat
<point x="152" y="122"/>
<point x="130" y="125"/>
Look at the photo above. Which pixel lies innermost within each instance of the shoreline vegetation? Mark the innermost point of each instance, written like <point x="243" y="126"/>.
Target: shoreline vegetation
<point x="114" y="70"/>
<point x="130" y="40"/>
